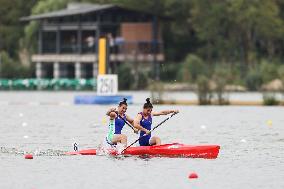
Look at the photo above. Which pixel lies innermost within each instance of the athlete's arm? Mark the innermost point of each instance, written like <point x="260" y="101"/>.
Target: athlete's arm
<point x="111" y="113"/>
<point x="137" y="124"/>
<point x="110" y="110"/>
<point x="164" y="112"/>
<point x="130" y="120"/>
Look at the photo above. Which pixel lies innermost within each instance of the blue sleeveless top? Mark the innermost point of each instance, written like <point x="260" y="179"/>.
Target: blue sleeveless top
<point x="146" y="123"/>
<point x="119" y="123"/>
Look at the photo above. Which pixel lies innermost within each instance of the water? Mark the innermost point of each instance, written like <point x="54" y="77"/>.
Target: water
<point x="47" y="124"/>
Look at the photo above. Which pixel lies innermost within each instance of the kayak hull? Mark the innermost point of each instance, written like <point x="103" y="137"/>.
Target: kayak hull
<point x="164" y="150"/>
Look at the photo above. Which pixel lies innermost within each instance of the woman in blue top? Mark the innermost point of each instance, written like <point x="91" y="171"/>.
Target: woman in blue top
<point x="143" y="122"/>
<point x="116" y="123"/>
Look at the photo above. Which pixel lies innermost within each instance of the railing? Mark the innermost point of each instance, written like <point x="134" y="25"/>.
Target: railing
<point x="140" y="47"/>
<point x="48" y="84"/>
<point x="133" y="48"/>
<point x="48" y="48"/>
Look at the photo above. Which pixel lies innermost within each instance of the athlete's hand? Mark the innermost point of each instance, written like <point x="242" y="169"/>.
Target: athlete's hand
<point x="109" y="112"/>
<point x="147" y="132"/>
<point x="136" y="130"/>
<point x="176" y="111"/>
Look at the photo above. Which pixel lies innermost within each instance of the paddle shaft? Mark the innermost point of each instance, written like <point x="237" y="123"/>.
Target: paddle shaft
<point x="126" y="122"/>
<point x="150" y="131"/>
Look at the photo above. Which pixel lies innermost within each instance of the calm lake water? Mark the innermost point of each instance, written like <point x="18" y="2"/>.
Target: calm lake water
<point x="47" y="124"/>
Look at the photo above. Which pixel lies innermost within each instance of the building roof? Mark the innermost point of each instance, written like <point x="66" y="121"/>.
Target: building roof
<point x="72" y="9"/>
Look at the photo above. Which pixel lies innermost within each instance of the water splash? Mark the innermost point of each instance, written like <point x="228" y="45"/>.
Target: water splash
<point x="105" y="149"/>
<point x="37" y="152"/>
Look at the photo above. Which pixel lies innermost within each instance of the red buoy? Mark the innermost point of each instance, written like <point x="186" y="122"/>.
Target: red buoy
<point x="29" y="156"/>
<point x="193" y="176"/>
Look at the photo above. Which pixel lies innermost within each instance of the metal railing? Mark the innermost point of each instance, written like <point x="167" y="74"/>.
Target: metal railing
<point x="135" y="48"/>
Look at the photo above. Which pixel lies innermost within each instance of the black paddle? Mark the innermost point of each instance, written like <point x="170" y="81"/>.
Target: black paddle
<point x="127" y="123"/>
<point x="149" y="132"/>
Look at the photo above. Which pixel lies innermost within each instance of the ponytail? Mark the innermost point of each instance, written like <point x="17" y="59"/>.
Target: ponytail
<point x="148" y="104"/>
<point x="123" y="102"/>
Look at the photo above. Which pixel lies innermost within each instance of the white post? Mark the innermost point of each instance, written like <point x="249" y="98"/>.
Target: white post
<point x="38" y="70"/>
<point x="95" y="69"/>
<point x="56" y="71"/>
<point x="77" y="70"/>
<point x="0" y="66"/>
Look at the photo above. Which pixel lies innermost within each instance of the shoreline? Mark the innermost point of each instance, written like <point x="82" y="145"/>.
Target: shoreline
<point x="169" y="97"/>
<point x="229" y="103"/>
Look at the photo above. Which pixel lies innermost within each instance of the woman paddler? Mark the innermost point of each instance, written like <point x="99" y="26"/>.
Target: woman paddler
<point x="143" y="122"/>
<point x="117" y="119"/>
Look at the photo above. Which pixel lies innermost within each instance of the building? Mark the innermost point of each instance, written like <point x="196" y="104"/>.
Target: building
<point x="68" y="39"/>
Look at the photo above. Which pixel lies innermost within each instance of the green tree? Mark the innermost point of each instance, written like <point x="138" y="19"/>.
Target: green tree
<point x="203" y="90"/>
<point x="253" y="80"/>
<point x="11" y="28"/>
<point x="221" y="77"/>
<point x="237" y="30"/>
<point x="42" y="6"/>
<point x="125" y="79"/>
<point x="10" y="68"/>
<point x="192" y="67"/>
<point x="268" y="71"/>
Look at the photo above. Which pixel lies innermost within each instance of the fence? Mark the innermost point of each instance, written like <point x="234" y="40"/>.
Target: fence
<point x="48" y="84"/>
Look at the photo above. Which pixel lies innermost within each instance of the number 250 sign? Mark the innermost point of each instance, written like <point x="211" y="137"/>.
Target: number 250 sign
<point x="107" y="84"/>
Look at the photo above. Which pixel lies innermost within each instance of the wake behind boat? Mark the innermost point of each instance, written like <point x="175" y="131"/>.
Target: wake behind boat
<point x="164" y="150"/>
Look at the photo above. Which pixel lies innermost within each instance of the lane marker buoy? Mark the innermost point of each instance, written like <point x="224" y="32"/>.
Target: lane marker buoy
<point x="29" y="156"/>
<point x="104" y="120"/>
<point x="193" y="176"/>
<point x="269" y="122"/>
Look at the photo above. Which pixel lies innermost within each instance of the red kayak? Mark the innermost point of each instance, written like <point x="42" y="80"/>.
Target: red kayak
<point x="165" y="150"/>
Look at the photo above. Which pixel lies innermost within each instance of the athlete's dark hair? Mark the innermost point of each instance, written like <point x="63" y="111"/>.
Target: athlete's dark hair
<point x="123" y="102"/>
<point x="148" y="104"/>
